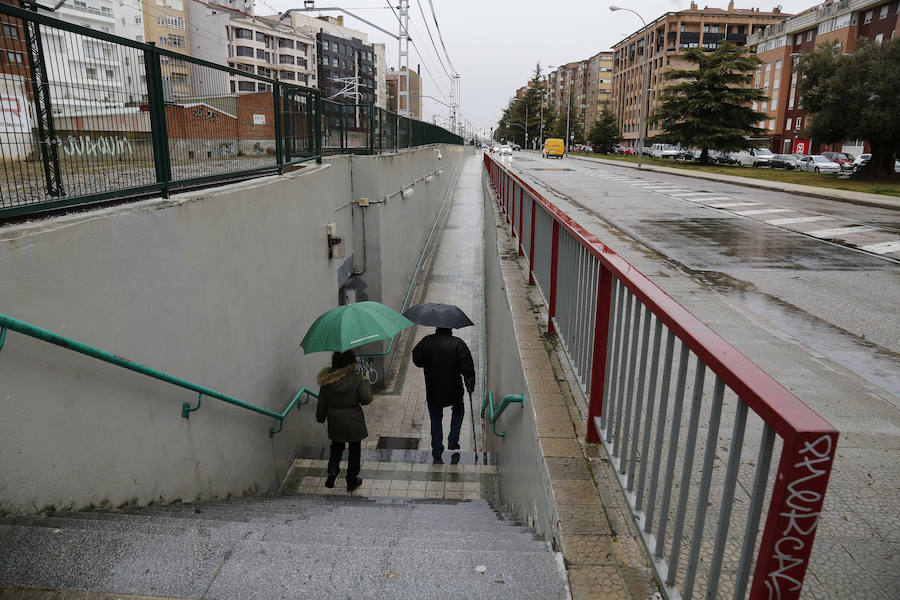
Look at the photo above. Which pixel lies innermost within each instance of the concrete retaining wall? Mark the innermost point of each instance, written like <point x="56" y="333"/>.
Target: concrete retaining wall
<point x="524" y="482"/>
<point x="217" y="287"/>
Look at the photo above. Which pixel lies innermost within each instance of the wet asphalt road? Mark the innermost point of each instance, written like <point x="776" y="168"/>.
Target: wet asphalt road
<point x="823" y="272"/>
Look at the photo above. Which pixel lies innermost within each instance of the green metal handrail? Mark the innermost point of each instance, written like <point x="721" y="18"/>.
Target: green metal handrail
<point x="7" y="322"/>
<point x="495" y="414"/>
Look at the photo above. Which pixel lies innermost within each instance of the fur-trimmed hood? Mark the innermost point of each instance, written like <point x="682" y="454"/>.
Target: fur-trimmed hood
<point x="330" y="375"/>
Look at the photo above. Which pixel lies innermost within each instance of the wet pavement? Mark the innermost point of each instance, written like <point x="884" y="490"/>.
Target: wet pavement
<point x="805" y="287"/>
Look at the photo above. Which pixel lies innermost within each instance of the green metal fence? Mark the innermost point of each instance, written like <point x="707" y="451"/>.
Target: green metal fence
<point x="86" y="116"/>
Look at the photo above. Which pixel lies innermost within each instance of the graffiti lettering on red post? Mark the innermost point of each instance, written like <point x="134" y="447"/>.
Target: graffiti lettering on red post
<point x="804" y="500"/>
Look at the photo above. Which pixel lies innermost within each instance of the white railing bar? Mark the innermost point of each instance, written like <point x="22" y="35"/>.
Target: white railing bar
<point x="660" y="427"/>
<point x="629" y="397"/>
<point x="623" y="369"/>
<point x="687" y="467"/>
<point x="614" y="290"/>
<point x="673" y="450"/>
<point x="700" y="517"/>
<point x="648" y="423"/>
<point x="763" y="464"/>
<point x="731" y="472"/>
<point x="639" y="399"/>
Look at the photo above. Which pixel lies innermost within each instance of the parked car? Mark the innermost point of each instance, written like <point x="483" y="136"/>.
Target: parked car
<point x="785" y="161"/>
<point x="755" y="157"/>
<point x="842" y="158"/>
<point x="664" y="151"/>
<point x="863" y="159"/>
<point x="626" y="150"/>
<point x="723" y="158"/>
<point x="505" y="149"/>
<point x="816" y="163"/>
<point x="688" y="155"/>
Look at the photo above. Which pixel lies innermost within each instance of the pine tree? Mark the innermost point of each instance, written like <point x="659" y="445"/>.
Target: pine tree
<point x="604" y="134"/>
<point x="855" y="96"/>
<point x="709" y="107"/>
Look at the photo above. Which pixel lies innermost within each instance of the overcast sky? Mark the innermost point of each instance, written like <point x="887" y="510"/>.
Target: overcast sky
<point x="494" y="44"/>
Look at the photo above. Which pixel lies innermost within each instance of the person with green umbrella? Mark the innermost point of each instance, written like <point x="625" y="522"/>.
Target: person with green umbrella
<point x="342" y="395"/>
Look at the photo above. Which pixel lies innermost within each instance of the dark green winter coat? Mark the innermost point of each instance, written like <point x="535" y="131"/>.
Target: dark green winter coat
<point x="342" y="393"/>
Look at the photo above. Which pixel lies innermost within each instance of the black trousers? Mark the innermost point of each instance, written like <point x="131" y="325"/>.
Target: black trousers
<point x="334" y="459"/>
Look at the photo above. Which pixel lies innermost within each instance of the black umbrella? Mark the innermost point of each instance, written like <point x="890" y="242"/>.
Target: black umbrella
<point x="438" y="315"/>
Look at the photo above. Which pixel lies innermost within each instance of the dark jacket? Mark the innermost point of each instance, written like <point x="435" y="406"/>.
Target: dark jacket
<point x="342" y="393"/>
<point x="446" y="359"/>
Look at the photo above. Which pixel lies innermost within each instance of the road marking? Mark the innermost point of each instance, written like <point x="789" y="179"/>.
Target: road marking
<point x="764" y="211"/>
<point x="793" y="220"/>
<point x="733" y="204"/>
<point x="839" y="231"/>
<point x="694" y="194"/>
<point x="883" y="247"/>
<point x="715" y="199"/>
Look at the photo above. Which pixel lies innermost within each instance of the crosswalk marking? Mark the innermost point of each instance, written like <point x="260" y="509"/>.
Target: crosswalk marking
<point x="839" y="231"/>
<point x="713" y="199"/>
<point x="734" y="204"/>
<point x="679" y="195"/>
<point x="793" y="220"/>
<point x="764" y="211"/>
<point x="883" y="247"/>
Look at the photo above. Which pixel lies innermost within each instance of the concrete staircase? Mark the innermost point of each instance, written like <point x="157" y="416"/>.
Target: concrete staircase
<point x="283" y="546"/>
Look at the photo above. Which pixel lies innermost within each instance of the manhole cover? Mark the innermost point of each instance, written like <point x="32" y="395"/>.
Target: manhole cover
<point x="397" y="443"/>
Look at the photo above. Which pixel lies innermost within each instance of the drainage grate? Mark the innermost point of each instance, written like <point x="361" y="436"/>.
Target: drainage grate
<point x="397" y="443"/>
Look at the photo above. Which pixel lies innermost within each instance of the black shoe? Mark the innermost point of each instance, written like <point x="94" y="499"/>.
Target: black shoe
<point x="453" y="446"/>
<point x="352" y="484"/>
<point x="329" y="483"/>
<point x="454" y="458"/>
<point x="437" y="459"/>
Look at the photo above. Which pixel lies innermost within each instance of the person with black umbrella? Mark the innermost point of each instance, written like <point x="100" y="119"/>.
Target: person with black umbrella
<point x="448" y="363"/>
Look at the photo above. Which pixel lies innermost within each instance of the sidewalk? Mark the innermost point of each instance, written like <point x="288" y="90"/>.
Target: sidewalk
<point x="778" y="186"/>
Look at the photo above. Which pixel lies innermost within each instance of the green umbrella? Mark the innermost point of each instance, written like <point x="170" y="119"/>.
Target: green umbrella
<point x="352" y="325"/>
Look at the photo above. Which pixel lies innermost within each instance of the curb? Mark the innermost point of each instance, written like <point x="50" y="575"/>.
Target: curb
<point x="793" y="188"/>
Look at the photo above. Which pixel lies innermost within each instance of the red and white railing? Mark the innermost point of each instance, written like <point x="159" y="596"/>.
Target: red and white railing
<point x="620" y="332"/>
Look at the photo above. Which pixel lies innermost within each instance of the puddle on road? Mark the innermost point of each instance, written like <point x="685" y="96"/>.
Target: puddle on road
<point x="729" y="242"/>
<point x="869" y="361"/>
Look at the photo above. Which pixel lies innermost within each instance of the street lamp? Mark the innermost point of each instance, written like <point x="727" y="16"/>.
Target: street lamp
<point x="508" y="123"/>
<point x="644" y="85"/>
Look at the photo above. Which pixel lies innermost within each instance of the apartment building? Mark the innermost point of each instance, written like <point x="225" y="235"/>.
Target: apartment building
<point x="779" y="48"/>
<point x="597" y="87"/>
<point x="16" y="115"/>
<point x="344" y="54"/>
<point x="415" y="93"/>
<point x="668" y="36"/>
<point x="258" y="45"/>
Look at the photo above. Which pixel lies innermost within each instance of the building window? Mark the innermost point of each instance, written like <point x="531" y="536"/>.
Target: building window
<point x="10" y="30"/>
<point x="245" y="51"/>
<point x="879" y="38"/>
<point x="798" y="123"/>
<point x="175" y="22"/>
<point x="791" y="102"/>
<point x="138" y="20"/>
<point x="261" y="54"/>
<point x="161" y="21"/>
<point x="868" y="17"/>
<point x="176" y="41"/>
<point x="260" y="36"/>
<point x="162" y="41"/>
<point x="765" y="105"/>
<point x="243" y="34"/>
<point x="263" y="87"/>
<point x="285" y="43"/>
<point x="285" y="59"/>
<point x="246" y="86"/>
<point x="91" y="72"/>
<point x="774" y="104"/>
<point x="286" y="75"/>
<point x="771" y="124"/>
<point x="755" y="106"/>
<point x="790" y="122"/>
<point x="809" y="35"/>
<point x="798" y="39"/>
<point x="883" y="12"/>
<point x="110" y="74"/>
<point x="14" y="58"/>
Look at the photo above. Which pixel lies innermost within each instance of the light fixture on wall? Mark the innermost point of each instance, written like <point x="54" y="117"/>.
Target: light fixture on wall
<point x="335" y="242"/>
<point x="428" y="178"/>
<point x="407" y="192"/>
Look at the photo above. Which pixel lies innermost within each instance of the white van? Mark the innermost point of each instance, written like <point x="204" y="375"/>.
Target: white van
<point x="663" y="151"/>
<point x="755" y="157"/>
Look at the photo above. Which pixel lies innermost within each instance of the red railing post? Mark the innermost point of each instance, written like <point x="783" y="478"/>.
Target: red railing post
<point x="512" y="209"/>
<point x="598" y="358"/>
<point x="531" y="245"/>
<point x="554" y="259"/>
<point x="506" y="192"/>
<point x="797" y="498"/>
<point x="521" y="208"/>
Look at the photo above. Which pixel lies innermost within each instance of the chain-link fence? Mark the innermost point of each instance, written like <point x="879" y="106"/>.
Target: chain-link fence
<point x="88" y="116"/>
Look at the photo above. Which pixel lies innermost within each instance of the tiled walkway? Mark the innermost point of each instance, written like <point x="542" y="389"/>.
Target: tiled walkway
<point x="452" y="276"/>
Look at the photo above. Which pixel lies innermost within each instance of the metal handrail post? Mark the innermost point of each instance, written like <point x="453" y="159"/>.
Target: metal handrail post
<point x="158" y="126"/>
<point x="279" y="126"/>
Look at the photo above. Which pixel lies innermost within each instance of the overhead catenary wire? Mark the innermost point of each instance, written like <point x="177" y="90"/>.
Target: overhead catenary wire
<point x="441" y="37"/>
<point x="419" y="54"/>
<point x="433" y="45"/>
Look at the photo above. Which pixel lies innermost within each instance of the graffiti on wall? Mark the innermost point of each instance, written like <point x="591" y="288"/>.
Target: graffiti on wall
<point x="104" y="145"/>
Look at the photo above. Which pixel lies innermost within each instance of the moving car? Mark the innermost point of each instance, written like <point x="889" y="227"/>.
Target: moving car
<point x="785" y="161"/>
<point x="816" y="163"/>
<point x="841" y="158"/>
<point x="553" y="147"/>
<point x="505" y="149"/>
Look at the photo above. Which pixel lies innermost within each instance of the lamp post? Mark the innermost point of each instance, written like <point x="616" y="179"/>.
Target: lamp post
<point x="523" y="129"/>
<point x="643" y="85"/>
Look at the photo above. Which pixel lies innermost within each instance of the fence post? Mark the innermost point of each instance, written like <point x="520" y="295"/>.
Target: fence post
<point x="554" y="259"/>
<point x="158" y="127"/>
<point x="598" y="358"/>
<point x="797" y="499"/>
<point x="521" y="208"/>
<point x="371" y="129"/>
<point x="317" y="119"/>
<point x="531" y="244"/>
<point x="279" y="127"/>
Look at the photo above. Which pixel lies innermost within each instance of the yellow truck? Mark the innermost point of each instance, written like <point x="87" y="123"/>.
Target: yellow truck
<point x="553" y="147"/>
